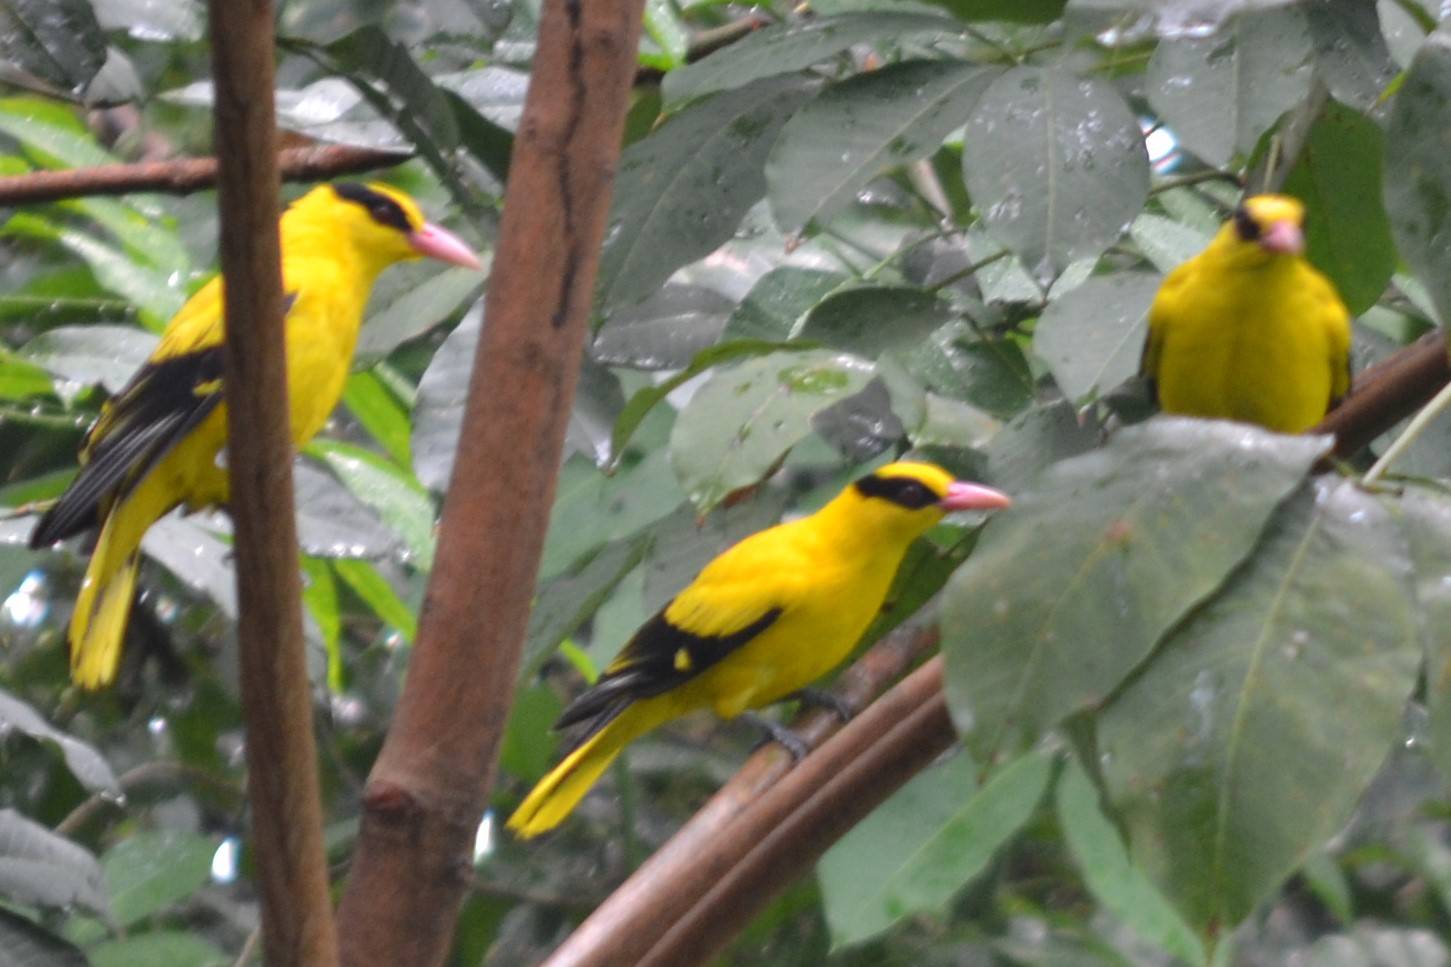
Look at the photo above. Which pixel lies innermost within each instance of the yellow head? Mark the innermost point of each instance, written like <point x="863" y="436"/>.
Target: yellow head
<point x="902" y="501"/>
<point x="1263" y="228"/>
<point x="382" y="224"/>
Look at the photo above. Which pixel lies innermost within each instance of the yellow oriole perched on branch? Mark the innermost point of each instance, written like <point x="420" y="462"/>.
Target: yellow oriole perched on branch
<point x="763" y="620"/>
<point x="158" y="444"/>
<point x="1248" y="329"/>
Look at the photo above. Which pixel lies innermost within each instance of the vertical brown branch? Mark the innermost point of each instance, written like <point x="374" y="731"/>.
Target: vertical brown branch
<point x="430" y="783"/>
<point x="281" y="759"/>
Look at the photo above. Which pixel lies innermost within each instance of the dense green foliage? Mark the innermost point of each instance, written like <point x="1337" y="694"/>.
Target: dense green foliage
<point x="1203" y="693"/>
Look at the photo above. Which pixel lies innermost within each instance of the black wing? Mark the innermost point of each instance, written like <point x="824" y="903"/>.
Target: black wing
<point x="164" y="401"/>
<point x="658" y="658"/>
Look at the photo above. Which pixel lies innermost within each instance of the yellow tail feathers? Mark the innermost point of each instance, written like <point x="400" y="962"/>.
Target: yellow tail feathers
<point x="556" y="795"/>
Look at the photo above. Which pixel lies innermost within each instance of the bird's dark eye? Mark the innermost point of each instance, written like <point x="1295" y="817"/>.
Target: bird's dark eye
<point x="903" y="491"/>
<point x="381" y="208"/>
<point x="1244" y="224"/>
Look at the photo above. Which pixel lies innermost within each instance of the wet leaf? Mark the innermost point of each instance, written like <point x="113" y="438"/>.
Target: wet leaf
<point x="1069" y="591"/>
<point x="682" y="191"/>
<point x="381" y="413"/>
<point x="81" y="758"/>
<point x="1425" y="521"/>
<point x="739" y="424"/>
<point x="332" y="522"/>
<point x="58" y="41"/>
<point x="779" y="300"/>
<point x="566" y="601"/>
<point x="1167" y="243"/>
<point x="150" y="871"/>
<point x="51" y="133"/>
<point x="665" y="331"/>
<point x="41" y="868"/>
<point x="1418" y="169"/>
<point x="871" y="320"/>
<point x="840" y="141"/>
<point x="1056" y="164"/>
<point x="1092" y="338"/>
<point x="1221" y="92"/>
<point x="989" y="373"/>
<point x="410" y="300"/>
<point x="1351" y="55"/>
<point x="148" y="20"/>
<point x="1231" y="757"/>
<point x="785" y="47"/>
<point x="598" y="402"/>
<point x="398" y="499"/>
<point x="100" y="354"/>
<point x="592" y="508"/>
<point x="438" y="410"/>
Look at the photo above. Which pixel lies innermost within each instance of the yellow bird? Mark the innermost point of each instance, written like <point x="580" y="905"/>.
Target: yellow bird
<point x="158" y="444"/>
<point x="1248" y="329"/>
<point x="762" y="621"/>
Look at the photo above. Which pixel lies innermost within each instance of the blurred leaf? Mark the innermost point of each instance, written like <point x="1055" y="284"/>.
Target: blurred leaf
<point x="598" y="402"/>
<point x="399" y="500"/>
<point x="776" y="304"/>
<point x="870" y="320"/>
<point x="409" y="301"/>
<point x="144" y="239"/>
<point x="380" y="413"/>
<point x="333" y="522"/>
<point x="84" y="762"/>
<point x="98" y="354"/>
<point x="50" y="129"/>
<point x="1021" y="11"/>
<point x="792" y="46"/>
<point x="664" y="26"/>
<point x="20" y="379"/>
<point x="148" y="20"/>
<point x="1231" y="757"/>
<point x="1056" y="164"/>
<point x="592" y="508"/>
<point x="1221" y="92"/>
<point x="27" y="944"/>
<point x="375" y="591"/>
<point x="986" y="372"/>
<point x="936" y="866"/>
<point x="320" y="598"/>
<point x="1142" y="530"/>
<point x="682" y="191"/>
<point x="41" y="868"/>
<point x="529" y="742"/>
<point x="1418" y="169"/>
<point x="880" y="119"/>
<point x="1425" y="520"/>
<point x="1350" y="52"/>
<point x="1339" y="176"/>
<point x="1035" y="439"/>
<point x="438" y="410"/>
<point x="665" y="331"/>
<point x="170" y="947"/>
<point x="738" y="425"/>
<point x="197" y="556"/>
<point x="1111" y="877"/>
<point x="58" y="41"/>
<point x="1372" y="945"/>
<point x="1092" y="337"/>
<point x="1167" y="243"/>
<point x="565" y="602"/>
<point x="150" y="871"/>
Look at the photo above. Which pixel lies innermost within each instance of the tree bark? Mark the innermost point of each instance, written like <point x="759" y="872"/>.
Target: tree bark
<point x="281" y="758"/>
<point x="428" y="789"/>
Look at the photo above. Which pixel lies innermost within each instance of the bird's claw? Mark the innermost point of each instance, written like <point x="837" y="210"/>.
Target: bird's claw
<point x="844" y="708"/>
<point x="783" y="736"/>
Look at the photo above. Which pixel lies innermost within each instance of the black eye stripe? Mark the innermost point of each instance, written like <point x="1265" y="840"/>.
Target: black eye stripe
<point x="384" y="210"/>
<point x="904" y="491"/>
<point x="1244" y="224"/>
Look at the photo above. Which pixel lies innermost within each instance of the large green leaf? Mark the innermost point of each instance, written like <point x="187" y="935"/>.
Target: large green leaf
<point x="870" y="320"/>
<point x="665" y="331"/>
<point x="51" y="133"/>
<point x="81" y="758"/>
<point x="1418" y="169"/>
<point x="149" y="872"/>
<point x="58" y="41"/>
<point x="41" y="868"/>
<point x="1247" y="741"/>
<point x="1092" y="338"/>
<point x="98" y="354"/>
<point x="1021" y="11"/>
<point x="398" y="499"/>
<point x="1056" y="164"/>
<point x="28" y="944"/>
<point x="953" y="833"/>
<point x="739" y="424"/>
<point x="778" y="302"/>
<point x="1425" y="519"/>
<point x="1221" y="92"/>
<point x="791" y="46"/>
<point x="682" y="191"/>
<point x="1347" y="233"/>
<point x="410" y="300"/>
<point x="1070" y="590"/>
<point x="174" y="948"/>
<point x="1351" y="55"/>
<point x="843" y="139"/>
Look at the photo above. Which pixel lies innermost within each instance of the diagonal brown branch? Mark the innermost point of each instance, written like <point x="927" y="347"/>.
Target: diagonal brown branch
<point x="428" y="788"/>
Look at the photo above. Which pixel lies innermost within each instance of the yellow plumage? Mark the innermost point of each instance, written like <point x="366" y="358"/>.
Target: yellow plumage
<point x="1248" y="329"/>
<point x="766" y="618"/>
<point x="158" y="444"/>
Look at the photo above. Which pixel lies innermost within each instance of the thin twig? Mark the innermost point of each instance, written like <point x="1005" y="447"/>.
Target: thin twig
<point x="1196" y="178"/>
<point x="1414" y="429"/>
<point x="972" y="269"/>
<point x="158" y="771"/>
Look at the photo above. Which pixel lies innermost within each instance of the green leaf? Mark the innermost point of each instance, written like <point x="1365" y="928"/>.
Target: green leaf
<point x="1069" y="591"/>
<point x="1221" y="92"/>
<point x="744" y="419"/>
<point x="58" y="41"/>
<point x="400" y="501"/>
<point x="1425" y="520"/>
<point x="144" y="238"/>
<point x="51" y="131"/>
<point x="1165" y="242"/>
<point x="1019" y="11"/>
<point x="986" y="372"/>
<point x="170" y="947"/>
<point x="1339" y="176"/>
<point x="1092" y="337"/>
<point x="1351" y="55"/>
<point x="375" y="591"/>
<point x="665" y="331"/>
<point x="779" y="300"/>
<point x="332" y="522"/>
<point x="27" y="944"/>
<point x="20" y="379"/>
<point x="1418" y="169"/>
<point x="681" y="192"/>
<point x="791" y="46"/>
<point x="934" y="868"/>
<point x="855" y="130"/>
<point x="99" y="354"/>
<point x="407" y="302"/>
<point x="380" y="413"/>
<point x="565" y="602"/>
<point x="592" y="508"/>
<point x="1034" y="440"/>
<point x="42" y="868"/>
<point x="152" y="871"/>
<point x="146" y="20"/>
<point x="320" y="598"/>
<point x="1232" y="757"/>
<point x="1056" y="164"/>
<point x="529" y="742"/>
<point x="664" y="26"/>
<point x="81" y="758"/>
<point x="871" y="320"/>
<point x="1111" y="877"/>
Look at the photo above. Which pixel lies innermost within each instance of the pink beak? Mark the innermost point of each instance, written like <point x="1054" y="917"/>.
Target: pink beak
<point x="970" y="496"/>
<point x="440" y="243"/>
<point x="1284" y="237"/>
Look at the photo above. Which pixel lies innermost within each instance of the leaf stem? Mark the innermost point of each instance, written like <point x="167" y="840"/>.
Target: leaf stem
<point x="1439" y="403"/>
<point x="961" y="274"/>
<point x="1195" y="178"/>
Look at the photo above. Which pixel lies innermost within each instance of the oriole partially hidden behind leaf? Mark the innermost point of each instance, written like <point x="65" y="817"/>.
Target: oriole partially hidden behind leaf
<point x="1248" y="329"/>
<point x="159" y="443"/>
<point x="763" y="620"/>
